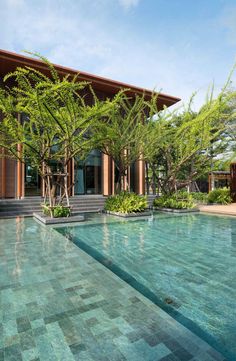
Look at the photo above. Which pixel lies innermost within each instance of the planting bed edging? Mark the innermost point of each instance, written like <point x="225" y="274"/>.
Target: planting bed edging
<point x="48" y="220"/>
<point x="174" y="210"/>
<point x="128" y="215"/>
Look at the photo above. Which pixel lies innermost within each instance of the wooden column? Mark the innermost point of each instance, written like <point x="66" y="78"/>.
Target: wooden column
<point x="107" y="175"/>
<point x="3" y="174"/>
<point x="128" y="177"/>
<point x="233" y="181"/>
<point x="113" y="186"/>
<point x="140" y="177"/>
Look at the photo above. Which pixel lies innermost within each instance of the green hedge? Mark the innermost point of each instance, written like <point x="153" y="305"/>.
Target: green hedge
<point x="126" y="202"/>
<point x="220" y="196"/>
<point x="179" y="200"/>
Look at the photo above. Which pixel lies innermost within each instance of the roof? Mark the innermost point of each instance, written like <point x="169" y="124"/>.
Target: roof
<point x="223" y="172"/>
<point x="9" y="61"/>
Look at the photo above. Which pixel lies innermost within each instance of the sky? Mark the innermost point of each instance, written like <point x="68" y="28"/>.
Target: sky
<point x="174" y="46"/>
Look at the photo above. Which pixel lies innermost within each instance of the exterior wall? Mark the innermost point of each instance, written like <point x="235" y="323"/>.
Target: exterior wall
<point x="7" y="178"/>
<point x="12" y="178"/>
<point x="7" y="174"/>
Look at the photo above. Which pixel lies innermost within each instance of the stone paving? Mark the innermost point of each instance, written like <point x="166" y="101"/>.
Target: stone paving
<point x="58" y="303"/>
<point x="227" y="210"/>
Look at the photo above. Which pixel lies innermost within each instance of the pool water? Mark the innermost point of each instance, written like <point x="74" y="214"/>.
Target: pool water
<point x="185" y="263"/>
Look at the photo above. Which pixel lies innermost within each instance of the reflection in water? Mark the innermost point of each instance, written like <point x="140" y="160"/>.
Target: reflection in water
<point x="18" y="245"/>
<point x="233" y="234"/>
<point x="106" y="238"/>
<point x="126" y="240"/>
<point x="141" y="242"/>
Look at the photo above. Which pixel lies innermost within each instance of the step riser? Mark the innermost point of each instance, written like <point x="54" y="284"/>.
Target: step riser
<point x="11" y="206"/>
<point x="37" y="208"/>
<point x="79" y="204"/>
<point x="40" y="202"/>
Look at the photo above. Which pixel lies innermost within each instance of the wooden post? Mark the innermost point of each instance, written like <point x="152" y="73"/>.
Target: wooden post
<point x="107" y="177"/>
<point x="140" y="177"/>
<point x="209" y="183"/>
<point x="233" y="181"/>
<point x="3" y="181"/>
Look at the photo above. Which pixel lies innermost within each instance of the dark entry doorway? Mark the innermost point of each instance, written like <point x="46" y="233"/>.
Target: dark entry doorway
<point x="88" y="174"/>
<point x="32" y="181"/>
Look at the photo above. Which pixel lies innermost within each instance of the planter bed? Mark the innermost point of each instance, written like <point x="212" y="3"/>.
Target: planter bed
<point x="175" y="210"/>
<point x="129" y="215"/>
<point x="48" y="220"/>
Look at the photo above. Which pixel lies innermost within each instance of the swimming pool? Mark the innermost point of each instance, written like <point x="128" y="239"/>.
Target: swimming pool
<point x="186" y="264"/>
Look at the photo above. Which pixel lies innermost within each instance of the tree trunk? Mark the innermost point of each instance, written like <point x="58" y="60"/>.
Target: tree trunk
<point x="66" y="186"/>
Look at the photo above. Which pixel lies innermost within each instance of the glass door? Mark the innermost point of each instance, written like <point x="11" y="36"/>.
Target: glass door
<point x="88" y="174"/>
<point x="32" y="181"/>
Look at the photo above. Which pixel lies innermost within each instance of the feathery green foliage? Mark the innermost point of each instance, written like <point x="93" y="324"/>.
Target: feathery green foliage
<point x="54" y="125"/>
<point x="183" y="145"/>
<point x="121" y="134"/>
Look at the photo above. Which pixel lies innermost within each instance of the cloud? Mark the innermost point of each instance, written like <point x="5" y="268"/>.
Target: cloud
<point x="128" y="4"/>
<point x="86" y="36"/>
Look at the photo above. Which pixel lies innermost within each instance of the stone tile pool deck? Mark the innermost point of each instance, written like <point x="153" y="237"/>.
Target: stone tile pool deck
<point x="58" y="303"/>
<point x="226" y="210"/>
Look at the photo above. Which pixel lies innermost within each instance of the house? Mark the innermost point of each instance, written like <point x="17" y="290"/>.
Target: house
<point x="96" y="175"/>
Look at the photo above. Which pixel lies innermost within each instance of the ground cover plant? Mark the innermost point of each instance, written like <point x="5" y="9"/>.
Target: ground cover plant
<point x="126" y="202"/>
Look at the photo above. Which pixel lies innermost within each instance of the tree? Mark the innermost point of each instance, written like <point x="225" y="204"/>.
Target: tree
<point x="56" y="125"/>
<point x="121" y="134"/>
<point x="183" y="144"/>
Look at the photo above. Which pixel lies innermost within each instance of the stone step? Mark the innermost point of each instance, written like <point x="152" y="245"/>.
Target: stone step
<point x="30" y="214"/>
<point x="32" y="205"/>
<point x="39" y="201"/>
<point x="79" y="204"/>
<point x="35" y="209"/>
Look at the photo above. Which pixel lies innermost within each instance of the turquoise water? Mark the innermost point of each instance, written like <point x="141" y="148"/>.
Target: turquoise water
<point x="186" y="263"/>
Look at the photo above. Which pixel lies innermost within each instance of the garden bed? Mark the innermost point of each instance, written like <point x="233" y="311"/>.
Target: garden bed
<point x="47" y="220"/>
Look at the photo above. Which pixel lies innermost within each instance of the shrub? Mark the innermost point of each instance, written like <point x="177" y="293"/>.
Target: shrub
<point x="126" y="202"/>
<point x="196" y="196"/>
<point x="220" y="196"/>
<point x="57" y="211"/>
<point x="61" y="211"/>
<point x="180" y="200"/>
<point x="200" y="197"/>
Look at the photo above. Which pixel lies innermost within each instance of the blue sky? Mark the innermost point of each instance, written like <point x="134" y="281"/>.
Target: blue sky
<point x="177" y="46"/>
